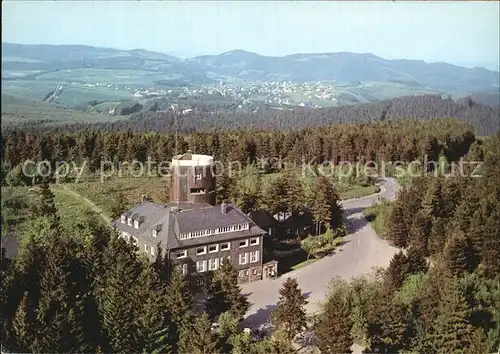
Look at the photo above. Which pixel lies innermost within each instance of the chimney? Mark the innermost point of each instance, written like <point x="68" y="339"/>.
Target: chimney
<point x="223" y="208"/>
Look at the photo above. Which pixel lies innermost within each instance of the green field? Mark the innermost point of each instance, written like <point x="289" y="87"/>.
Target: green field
<point x="16" y="110"/>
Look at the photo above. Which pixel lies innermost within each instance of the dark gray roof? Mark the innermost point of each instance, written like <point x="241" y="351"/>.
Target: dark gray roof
<point x="263" y="218"/>
<point x="175" y="222"/>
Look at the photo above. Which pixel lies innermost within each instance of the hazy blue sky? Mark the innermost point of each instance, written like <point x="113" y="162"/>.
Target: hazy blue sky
<point x="464" y="33"/>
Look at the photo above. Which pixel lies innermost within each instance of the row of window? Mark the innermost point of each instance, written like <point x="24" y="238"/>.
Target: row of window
<point x="214" y="263"/>
<point x="201" y="266"/>
<point x="243" y="257"/>
<point x="226" y="246"/>
<point x="216" y="231"/>
<point x="130" y="222"/>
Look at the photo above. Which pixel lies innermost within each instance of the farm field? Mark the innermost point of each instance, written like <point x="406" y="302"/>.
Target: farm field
<point x="16" y="110"/>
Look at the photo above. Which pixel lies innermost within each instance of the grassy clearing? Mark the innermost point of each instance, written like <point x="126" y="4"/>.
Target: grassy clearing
<point x="378" y="216"/>
<point x="104" y="195"/>
<point x="16" y="203"/>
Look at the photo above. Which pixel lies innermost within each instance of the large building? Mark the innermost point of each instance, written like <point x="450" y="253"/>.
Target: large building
<point x="192" y="230"/>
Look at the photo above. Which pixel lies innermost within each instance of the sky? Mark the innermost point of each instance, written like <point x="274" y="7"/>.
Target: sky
<point x="461" y="32"/>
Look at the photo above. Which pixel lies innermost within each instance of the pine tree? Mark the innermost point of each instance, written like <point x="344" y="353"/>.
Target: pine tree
<point x="45" y="206"/>
<point x="397" y="271"/>
<point x="199" y="339"/>
<point x="153" y="318"/>
<point x="333" y="328"/>
<point x="119" y="206"/>
<point x="23" y="327"/>
<point x="290" y="314"/>
<point x="432" y="203"/>
<point x="419" y="232"/>
<point x="117" y="302"/>
<point x="225" y="294"/>
<point x="180" y="302"/>
<point x="416" y="261"/>
<point x="398" y="231"/>
<point x="437" y="237"/>
<point x="458" y="255"/>
<point x="451" y="330"/>
<point x="60" y="310"/>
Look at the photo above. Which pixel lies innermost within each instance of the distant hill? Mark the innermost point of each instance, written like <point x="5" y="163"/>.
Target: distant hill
<point x="243" y="65"/>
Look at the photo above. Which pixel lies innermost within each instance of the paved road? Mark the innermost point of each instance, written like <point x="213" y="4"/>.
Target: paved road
<point x="363" y="251"/>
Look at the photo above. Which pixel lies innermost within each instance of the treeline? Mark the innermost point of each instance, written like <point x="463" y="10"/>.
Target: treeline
<point x="441" y="293"/>
<point x="404" y="140"/>
<point x="484" y="119"/>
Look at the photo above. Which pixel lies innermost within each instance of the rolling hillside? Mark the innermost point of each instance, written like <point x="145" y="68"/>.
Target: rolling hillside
<point x="243" y="65"/>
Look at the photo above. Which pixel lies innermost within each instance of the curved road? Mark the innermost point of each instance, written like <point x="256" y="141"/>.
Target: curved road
<point x="363" y="251"/>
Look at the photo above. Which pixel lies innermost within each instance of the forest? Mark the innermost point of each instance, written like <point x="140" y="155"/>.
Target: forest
<point x="89" y="290"/>
<point x="485" y="120"/>
<point x="391" y="140"/>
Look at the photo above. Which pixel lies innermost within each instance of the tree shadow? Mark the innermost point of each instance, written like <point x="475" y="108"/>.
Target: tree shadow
<point x="261" y="319"/>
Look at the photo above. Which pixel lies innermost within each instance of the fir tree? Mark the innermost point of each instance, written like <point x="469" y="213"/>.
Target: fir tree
<point x="44" y="205"/>
<point x="225" y="294"/>
<point x="416" y="261"/>
<point x="437" y="237"/>
<point x="398" y="230"/>
<point x="117" y="302"/>
<point x="119" y="206"/>
<point x="397" y="271"/>
<point x="180" y="302"/>
<point x="153" y="318"/>
<point x="458" y="255"/>
<point x="451" y="330"/>
<point x="23" y="327"/>
<point x="333" y="328"/>
<point x="199" y="339"/>
<point x="290" y="314"/>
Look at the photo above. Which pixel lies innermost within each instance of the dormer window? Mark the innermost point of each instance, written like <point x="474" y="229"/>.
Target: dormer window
<point x="136" y="224"/>
<point x="154" y="233"/>
<point x="123" y="219"/>
<point x="129" y="221"/>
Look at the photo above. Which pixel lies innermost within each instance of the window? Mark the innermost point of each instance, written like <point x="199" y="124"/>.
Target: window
<point x="225" y="246"/>
<point x="197" y="191"/>
<point x="246" y="273"/>
<point x="254" y="271"/>
<point x="243" y="243"/>
<point x="201" y="250"/>
<point x="241" y="273"/>
<point x="222" y="259"/>
<point x="181" y="254"/>
<point x="254" y="256"/>
<point x="184" y="269"/>
<point x="146" y="248"/>
<point x="213" y="248"/>
<point x="152" y="249"/>
<point x="254" y="241"/>
<point x="136" y="224"/>
<point x="123" y="219"/>
<point x="213" y="264"/>
<point x="154" y="233"/>
<point x="135" y="240"/>
<point x="129" y="221"/>
<point x="197" y="176"/>
<point x="243" y="258"/>
<point x="201" y="266"/>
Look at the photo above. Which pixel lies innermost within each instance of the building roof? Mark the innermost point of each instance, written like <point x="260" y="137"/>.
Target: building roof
<point x="171" y="223"/>
<point x="263" y="218"/>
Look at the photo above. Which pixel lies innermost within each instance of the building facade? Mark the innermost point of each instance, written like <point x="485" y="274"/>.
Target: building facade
<point x="193" y="232"/>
